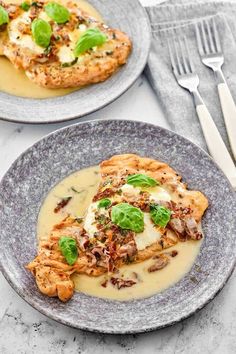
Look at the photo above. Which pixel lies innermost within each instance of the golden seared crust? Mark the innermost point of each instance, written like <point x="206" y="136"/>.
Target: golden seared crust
<point x="57" y="67"/>
<point x="123" y="165"/>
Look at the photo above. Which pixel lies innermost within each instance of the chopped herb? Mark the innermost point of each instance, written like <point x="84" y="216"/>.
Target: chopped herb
<point x="47" y="50"/>
<point x="71" y="63"/>
<point x="76" y="191"/>
<point x="119" y="191"/>
<point x="104" y="203"/>
<point x="79" y="220"/>
<point x="57" y="38"/>
<point x="34" y="3"/>
<point x="62" y="203"/>
<point x="101" y="219"/>
<point x="25" y="6"/>
<point x="108" y="181"/>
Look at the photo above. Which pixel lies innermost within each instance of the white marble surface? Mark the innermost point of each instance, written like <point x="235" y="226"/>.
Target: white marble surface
<point x="24" y="330"/>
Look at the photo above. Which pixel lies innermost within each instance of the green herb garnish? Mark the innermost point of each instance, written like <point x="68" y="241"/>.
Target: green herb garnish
<point x="69" y="249"/>
<point x="104" y="203"/>
<point x="160" y="215"/>
<point x="71" y="63"/>
<point x="90" y="38"/>
<point x="25" y="6"/>
<point x="128" y="217"/>
<point x="41" y="31"/>
<point x="141" y="180"/>
<point x="4" y="18"/>
<point x="57" y="12"/>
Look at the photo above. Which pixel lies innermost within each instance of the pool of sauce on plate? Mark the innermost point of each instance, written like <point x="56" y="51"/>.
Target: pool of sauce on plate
<point x="15" y="82"/>
<point x="86" y="182"/>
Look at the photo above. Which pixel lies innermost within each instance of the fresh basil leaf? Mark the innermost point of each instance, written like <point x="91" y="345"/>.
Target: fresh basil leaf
<point x="4" y="18"/>
<point x="25" y="6"/>
<point x="128" y="217"/>
<point x="90" y="38"/>
<point x="69" y="249"/>
<point x="160" y="215"/>
<point x="57" y="12"/>
<point x="41" y="31"/>
<point x="141" y="180"/>
<point x="104" y="203"/>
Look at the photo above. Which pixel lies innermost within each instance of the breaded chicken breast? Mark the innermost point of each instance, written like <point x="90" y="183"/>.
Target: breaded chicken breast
<point x="141" y="208"/>
<point x="54" y="61"/>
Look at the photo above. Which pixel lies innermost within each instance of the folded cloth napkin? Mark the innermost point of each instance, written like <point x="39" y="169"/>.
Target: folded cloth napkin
<point x="175" y="18"/>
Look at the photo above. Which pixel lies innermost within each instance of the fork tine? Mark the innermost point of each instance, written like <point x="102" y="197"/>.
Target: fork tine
<point x="216" y="36"/>
<point x="191" y="66"/>
<point x="181" y="71"/>
<point x="199" y="40"/>
<point x="205" y="43"/>
<point x="182" y="50"/>
<point x="208" y="29"/>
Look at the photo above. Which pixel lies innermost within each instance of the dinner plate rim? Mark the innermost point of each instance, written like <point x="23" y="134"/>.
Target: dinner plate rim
<point x="57" y="318"/>
<point x="101" y="105"/>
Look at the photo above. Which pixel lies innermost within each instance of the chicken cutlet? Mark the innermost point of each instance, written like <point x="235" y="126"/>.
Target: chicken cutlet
<point x="61" y="46"/>
<point x="140" y="209"/>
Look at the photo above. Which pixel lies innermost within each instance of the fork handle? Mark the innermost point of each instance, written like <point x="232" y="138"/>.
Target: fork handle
<point x="216" y="144"/>
<point x="229" y="112"/>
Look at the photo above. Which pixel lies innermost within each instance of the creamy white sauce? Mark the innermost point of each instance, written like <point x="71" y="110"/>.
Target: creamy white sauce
<point x="149" y="236"/>
<point x="86" y="183"/>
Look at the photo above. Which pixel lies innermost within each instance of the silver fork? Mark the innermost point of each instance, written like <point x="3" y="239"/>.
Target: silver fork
<point x="187" y="78"/>
<point x="209" y="47"/>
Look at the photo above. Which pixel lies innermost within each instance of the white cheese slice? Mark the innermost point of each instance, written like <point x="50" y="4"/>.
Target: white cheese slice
<point x="90" y="223"/>
<point x="44" y="16"/>
<point x="65" y="54"/>
<point x="129" y="190"/>
<point x="149" y="236"/>
<point x="159" y="194"/>
<point x="23" y="40"/>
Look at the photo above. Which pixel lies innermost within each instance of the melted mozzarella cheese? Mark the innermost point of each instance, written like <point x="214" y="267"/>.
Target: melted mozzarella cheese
<point x="129" y="190"/>
<point x="90" y="224"/>
<point x="23" y="40"/>
<point x="149" y="236"/>
<point x="159" y="194"/>
<point x="66" y="53"/>
<point x="44" y="16"/>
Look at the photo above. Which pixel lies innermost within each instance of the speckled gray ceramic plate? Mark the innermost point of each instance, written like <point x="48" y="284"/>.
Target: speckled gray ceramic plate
<point x="127" y="15"/>
<point x="36" y="171"/>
